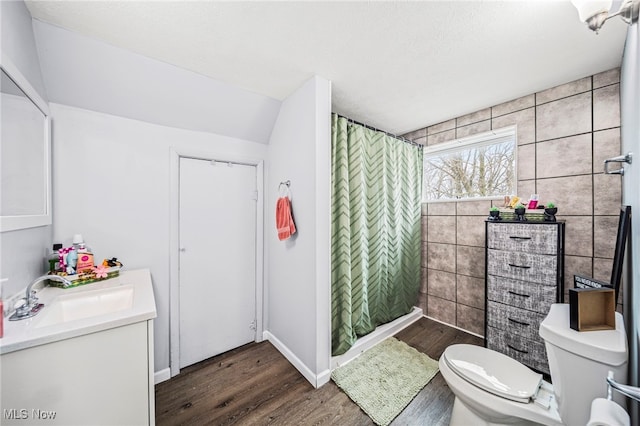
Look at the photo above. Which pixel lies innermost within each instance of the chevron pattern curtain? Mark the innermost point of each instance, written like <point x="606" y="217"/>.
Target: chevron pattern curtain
<point x="375" y="244"/>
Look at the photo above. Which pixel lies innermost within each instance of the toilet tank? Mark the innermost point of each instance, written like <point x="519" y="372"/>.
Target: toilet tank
<point x="579" y="362"/>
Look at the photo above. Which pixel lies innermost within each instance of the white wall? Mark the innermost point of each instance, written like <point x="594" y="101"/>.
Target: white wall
<point x="630" y="134"/>
<point x="86" y="73"/>
<point x="298" y="269"/>
<point x="18" y="42"/>
<point x="21" y="252"/>
<point x="111" y="180"/>
<point x="115" y="115"/>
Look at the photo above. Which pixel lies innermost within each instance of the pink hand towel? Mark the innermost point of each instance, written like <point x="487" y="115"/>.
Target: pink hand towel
<point x="284" y="219"/>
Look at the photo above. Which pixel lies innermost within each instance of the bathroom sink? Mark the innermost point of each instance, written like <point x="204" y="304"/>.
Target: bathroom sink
<point x="86" y="304"/>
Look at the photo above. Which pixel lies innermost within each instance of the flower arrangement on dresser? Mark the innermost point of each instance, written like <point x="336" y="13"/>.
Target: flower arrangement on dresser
<point x="515" y="208"/>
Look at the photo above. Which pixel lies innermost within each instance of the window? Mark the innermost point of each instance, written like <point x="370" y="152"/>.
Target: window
<point x="479" y="166"/>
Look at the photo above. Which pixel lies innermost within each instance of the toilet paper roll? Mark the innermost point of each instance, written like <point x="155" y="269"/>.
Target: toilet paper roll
<point x="607" y="413"/>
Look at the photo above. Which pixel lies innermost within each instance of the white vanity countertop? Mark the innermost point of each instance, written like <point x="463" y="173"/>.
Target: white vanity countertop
<point x="26" y="333"/>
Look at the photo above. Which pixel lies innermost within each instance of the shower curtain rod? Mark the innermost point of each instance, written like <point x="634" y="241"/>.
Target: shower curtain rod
<point x="403" y="139"/>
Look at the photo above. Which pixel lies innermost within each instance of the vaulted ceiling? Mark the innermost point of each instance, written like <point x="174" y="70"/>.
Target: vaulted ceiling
<point x="395" y="65"/>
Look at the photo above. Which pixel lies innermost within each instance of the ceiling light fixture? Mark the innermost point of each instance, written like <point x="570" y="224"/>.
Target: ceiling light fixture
<point x="595" y="12"/>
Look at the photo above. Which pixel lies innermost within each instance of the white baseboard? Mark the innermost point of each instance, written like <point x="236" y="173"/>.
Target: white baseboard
<point x="161" y="376"/>
<point x="316" y="380"/>
<point x="323" y="378"/>
<point x="376" y="336"/>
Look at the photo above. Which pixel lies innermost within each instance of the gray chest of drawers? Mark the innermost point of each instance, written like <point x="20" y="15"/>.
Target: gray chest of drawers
<point x="524" y="276"/>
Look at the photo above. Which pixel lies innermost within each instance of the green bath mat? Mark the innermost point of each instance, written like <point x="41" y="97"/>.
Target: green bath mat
<point x="384" y="379"/>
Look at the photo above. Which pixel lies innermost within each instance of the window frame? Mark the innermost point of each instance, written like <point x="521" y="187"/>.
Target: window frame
<point x="478" y="140"/>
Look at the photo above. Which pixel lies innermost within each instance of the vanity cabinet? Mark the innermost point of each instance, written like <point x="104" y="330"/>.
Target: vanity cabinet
<point x="524" y="276"/>
<point x="85" y="359"/>
<point x="98" y="378"/>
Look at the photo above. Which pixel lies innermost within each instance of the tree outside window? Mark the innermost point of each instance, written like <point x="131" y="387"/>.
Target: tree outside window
<point x="481" y="166"/>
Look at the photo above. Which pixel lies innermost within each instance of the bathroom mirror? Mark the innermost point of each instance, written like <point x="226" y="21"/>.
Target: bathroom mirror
<point x="25" y="161"/>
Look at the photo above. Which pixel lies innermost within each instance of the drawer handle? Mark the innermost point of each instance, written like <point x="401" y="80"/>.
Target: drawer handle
<point x="518" y="294"/>
<point x="515" y="237"/>
<point x="519" y="266"/>
<point x="526" y="324"/>
<point x="517" y="350"/>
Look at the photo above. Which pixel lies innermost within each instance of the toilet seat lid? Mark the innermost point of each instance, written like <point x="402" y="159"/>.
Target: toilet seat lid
<point x="493" y="372"/>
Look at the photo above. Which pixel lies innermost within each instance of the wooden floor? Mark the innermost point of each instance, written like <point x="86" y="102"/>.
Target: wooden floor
<point x="256" y="385"/>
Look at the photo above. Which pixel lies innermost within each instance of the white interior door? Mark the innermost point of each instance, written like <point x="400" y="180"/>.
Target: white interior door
<point x="217" y="258"/>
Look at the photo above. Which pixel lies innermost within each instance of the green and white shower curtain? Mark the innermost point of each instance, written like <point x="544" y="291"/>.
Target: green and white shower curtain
<point x="375" y="243"/>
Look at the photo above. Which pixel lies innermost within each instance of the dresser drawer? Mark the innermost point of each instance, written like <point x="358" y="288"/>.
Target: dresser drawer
<point x="528" y="352"/>
<point x="540" y="239"/>
<point x="521" y="294"/>
<point x="514" y="320"/>
<point x="536" y="268"/>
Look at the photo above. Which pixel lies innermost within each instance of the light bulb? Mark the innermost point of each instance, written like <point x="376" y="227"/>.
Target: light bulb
<point x="590" y="8"/>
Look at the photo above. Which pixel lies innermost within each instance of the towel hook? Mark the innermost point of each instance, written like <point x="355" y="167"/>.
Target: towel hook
<point x="287" y="183"/>
<point x="287" y="190"/>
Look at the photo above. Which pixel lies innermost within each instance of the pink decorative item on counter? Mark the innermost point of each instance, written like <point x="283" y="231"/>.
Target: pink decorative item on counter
<point x="100" y="271"/>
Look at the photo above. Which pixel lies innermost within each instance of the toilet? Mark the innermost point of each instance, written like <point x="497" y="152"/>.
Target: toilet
<point x="491" y="388"/>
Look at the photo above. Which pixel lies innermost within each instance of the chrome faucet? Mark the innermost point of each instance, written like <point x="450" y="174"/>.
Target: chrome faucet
<point x="31" y="307"/>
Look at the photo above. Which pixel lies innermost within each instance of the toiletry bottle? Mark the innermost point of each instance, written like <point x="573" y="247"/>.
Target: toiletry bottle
<point x="77" y="240"/>
<point x="53" y="259"/>
<point x="85" y="259"/>
<point x="85" y="256"/>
